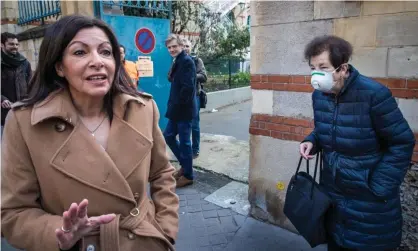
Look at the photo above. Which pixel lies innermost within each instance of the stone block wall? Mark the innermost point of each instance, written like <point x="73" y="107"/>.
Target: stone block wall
<point x="385" y="40"/>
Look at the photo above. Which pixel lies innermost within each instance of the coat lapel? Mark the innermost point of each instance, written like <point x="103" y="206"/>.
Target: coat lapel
<point x="126" y="146"/>
<point x="83" y="159"/>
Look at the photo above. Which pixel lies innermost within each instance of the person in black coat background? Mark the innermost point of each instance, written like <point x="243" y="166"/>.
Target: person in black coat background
<point x="16" y="72"/>
<point x="181" y="108"/>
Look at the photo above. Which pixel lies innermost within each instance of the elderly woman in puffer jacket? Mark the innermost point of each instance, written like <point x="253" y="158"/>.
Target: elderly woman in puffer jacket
<point x="367" y="147"/>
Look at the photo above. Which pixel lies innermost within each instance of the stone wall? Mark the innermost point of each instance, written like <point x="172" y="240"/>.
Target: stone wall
<point x="385" y="40"/>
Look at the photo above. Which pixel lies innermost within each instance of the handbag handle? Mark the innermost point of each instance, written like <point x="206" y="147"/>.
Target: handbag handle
<point x="318" y="158"/>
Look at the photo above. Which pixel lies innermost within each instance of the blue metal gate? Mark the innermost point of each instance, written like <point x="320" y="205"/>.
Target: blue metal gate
<point x="128" y="19"/>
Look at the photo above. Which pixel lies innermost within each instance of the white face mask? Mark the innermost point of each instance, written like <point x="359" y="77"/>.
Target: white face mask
<point x="322" y="81"/>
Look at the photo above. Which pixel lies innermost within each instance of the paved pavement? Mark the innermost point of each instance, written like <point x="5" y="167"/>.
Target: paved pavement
<point x="232" y="121"/>
<point x="207" y="227"/>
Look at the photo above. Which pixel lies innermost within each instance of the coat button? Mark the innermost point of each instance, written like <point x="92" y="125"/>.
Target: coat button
<point x="90" y="248"/>
<point x="136" y="196"/>
<point x="60" y="126"/>
<point x="131" y="236"/>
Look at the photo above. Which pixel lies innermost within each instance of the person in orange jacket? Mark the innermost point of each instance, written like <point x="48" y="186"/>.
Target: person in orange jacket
<point x="130" y="67"/>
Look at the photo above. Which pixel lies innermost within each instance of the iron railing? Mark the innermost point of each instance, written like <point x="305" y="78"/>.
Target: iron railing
<point x="156" y="8"/>
<point x="33" y="11"/>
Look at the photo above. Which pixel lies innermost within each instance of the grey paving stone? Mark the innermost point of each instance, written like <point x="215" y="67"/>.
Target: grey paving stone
<point x="194" y="208"/>
<point x="184" y="247"/>
<point x="199" y="231"/>
<point x="195" y="216"/>
<point x="248" y="244"/>
<point x="211" y="222"/>
<point x="193" y="202"/>
<point x="208" y="248"/>
<point x="182" y="209"/>
<point x="204" y="202"/>
<point x="210" y="206"/>
<point x="214" y="229"/>
<point x="210" y="214"/>
<point x="224" y="212"/>
<point x="203" y="241"/>
<point x="217" y="239"/>
<point x="227" y="220"/>
<point x="199" y="223"/>
<point x="196" y="219"/>
<point x="184" y="226"/>
<point x="193" y="197"/>
<point x="203" y="195"/>
<point x="186" y="190"/>
<point x="230" y="236"/>
<point x="219" y="247"/>
<point x="228" y="224"/>
<point x="183" y="203"/>
<point x="239" y="219"/>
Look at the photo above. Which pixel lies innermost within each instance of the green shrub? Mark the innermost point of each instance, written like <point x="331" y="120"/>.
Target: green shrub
<point x="241" y="78"/>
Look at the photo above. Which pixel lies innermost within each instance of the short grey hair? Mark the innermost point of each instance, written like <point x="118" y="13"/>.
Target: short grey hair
<point x="172" y="37"/>
<point x="186" y="41"/>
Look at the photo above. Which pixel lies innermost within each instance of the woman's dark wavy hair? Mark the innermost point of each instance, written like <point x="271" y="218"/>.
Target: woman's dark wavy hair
<point x="340" y="50"/>
<point x="57" y="37"/>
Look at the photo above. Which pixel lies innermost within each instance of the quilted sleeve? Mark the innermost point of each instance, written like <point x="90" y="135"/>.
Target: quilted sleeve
<point x="313" y="138"/>
<point x="398" y="142"/>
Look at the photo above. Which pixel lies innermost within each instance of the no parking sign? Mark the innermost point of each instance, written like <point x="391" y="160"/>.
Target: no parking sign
<point x="145" y="40"/>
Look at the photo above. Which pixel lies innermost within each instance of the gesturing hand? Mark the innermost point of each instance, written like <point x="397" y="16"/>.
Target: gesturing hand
<point x="77" y="224"/>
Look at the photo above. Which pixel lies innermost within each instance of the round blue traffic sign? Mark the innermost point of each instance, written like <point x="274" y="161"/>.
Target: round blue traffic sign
<point x="145" y="40"/>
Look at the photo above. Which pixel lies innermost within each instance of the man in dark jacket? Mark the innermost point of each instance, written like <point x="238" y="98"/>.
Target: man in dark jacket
<point x="181" y="108"/>
<point x="15" y="74"/>
<point x="201" y="78"/>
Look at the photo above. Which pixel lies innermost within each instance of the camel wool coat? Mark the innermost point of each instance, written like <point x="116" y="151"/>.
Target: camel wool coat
<point x="50" y="160"/>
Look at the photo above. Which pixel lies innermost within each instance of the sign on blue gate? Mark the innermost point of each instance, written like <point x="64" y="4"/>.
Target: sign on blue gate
<point x="145" y="40"/>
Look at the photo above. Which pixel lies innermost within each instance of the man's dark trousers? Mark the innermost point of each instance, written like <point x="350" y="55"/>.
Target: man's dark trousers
<point x="182" y="149"/>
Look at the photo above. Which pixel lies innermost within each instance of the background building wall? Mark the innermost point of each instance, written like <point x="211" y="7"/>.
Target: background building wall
<point x="385" y="40"/>
<point x="29" y="47"/>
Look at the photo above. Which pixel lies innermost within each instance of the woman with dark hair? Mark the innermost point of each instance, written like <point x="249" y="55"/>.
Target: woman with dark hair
<point x="78" y="154"/>
<point x="367" y="147"/>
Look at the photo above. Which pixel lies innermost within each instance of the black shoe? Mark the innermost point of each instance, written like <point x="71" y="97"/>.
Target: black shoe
<point x="195" y="155"/>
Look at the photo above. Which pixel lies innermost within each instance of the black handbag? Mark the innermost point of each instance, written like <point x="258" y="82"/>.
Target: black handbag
<point x="306" y="204"/>
<point x="203" y="98"/>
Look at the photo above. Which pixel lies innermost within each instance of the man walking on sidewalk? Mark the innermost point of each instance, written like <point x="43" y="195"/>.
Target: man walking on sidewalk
<point x="15" y="74"/>
<point x="181" y="108"/>
<point x="201" y="78"/>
